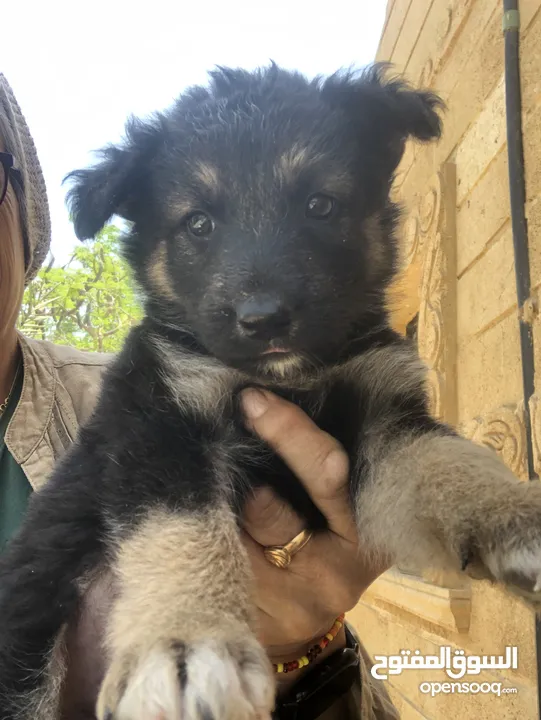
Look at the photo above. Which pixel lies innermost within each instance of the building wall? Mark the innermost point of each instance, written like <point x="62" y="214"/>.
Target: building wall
<point x="458" y="279"/>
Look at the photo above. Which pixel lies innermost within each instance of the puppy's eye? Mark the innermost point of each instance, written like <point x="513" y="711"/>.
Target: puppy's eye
<point x="200" y="224"/>
<point x="319" y="206"/>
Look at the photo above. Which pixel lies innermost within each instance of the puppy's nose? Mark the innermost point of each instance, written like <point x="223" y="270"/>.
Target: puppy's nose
<point x="263" y="316"/>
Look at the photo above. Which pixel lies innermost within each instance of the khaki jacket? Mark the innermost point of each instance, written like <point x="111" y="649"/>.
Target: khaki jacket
<point x="59" y="391"/>
<point x="60" y="387"/>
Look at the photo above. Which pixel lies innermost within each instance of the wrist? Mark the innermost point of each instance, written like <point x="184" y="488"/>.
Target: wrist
<point x="282" y="655"/>
<point x="330" y="689"/>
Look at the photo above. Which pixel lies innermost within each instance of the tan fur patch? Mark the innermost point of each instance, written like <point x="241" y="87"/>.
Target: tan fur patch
<point x="389" y="371"/>
<point x="291" y="162"/>
<point x="158" y="274"/>
<point x="291" y="369"/>
<point x="298" y="158"/>
<point x="208" y="176"/>
<point x="173" y="571"/>
<point x="185" y="588"/>
<point x="199" y="385"/>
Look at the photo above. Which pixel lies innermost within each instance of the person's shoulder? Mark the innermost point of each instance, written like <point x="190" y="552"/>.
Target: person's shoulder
<point x="73" y="376"/>
<point x="63" y="355"/>
<point x="79" y="371"/>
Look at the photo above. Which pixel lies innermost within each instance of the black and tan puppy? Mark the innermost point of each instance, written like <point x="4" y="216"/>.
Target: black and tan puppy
<point x="262" y="235"/>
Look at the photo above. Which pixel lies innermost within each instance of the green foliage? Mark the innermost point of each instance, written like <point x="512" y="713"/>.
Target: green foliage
<point x="89" y="303"/>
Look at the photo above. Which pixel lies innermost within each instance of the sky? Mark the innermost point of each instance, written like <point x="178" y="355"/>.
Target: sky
<point x="79" y="69"/>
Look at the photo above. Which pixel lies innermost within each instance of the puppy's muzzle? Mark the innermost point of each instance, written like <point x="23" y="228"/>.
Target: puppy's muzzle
<point x="263" y="317"/>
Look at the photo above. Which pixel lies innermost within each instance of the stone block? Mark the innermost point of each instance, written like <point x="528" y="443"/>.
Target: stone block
<point x="483" y="213"/>
<point x="489" y="371"/>
<point x="486" y="292"/>
<point x="392" y="29"/>
<point x="484" y="139"/>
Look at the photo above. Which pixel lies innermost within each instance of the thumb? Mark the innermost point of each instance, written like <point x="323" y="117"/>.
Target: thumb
<point x="317" y="459"/>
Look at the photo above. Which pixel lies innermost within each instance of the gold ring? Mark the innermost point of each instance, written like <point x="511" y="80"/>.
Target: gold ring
<point x="282" y="555"/>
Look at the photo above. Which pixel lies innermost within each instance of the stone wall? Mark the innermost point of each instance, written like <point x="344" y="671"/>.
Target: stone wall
<point x="458" y="283"/>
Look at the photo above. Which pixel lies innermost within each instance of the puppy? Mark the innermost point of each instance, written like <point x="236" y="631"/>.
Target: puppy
<point x="263" y="237"/>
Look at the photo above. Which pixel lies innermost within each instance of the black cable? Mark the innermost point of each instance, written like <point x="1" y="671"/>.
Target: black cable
<point x="517" y="193"/>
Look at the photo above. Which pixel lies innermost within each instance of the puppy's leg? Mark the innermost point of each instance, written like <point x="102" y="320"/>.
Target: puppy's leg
<point x="426" y="497"/>
<point x="435" y="499"/>
<point x="181" y="636"/>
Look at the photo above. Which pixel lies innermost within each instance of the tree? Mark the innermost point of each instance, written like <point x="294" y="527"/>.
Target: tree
<point x="89" y="303"/>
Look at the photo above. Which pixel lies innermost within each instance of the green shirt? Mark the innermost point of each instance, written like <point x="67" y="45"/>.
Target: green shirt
<point x="14" y="486"/>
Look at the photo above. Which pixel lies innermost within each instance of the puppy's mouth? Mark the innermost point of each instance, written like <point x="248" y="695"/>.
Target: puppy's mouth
<point x="276" y="349"/>
<point x="281" y="356"/>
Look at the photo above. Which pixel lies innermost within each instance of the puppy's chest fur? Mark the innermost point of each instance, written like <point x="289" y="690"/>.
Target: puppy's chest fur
<point x="208" y="393"/>
<point x="169" y="428"/>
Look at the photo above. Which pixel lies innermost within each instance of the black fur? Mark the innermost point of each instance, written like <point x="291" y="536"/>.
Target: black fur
<point x="328" y="275"/>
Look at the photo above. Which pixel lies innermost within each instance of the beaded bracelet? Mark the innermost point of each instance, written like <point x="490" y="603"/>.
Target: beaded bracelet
<point x="313" y="652"/>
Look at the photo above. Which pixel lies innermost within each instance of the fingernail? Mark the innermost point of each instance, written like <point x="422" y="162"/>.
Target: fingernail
<point x="254" y="402"/>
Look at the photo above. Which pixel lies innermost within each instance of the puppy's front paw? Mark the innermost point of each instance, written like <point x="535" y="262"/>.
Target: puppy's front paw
<point x="518" y="566"/>
<point x="509" y="544"/>
<point x="210" y="679"/>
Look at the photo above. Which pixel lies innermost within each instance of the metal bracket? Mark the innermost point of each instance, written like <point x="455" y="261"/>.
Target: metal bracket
<point x="530" y="310"/>
<point x="511" y="20"/>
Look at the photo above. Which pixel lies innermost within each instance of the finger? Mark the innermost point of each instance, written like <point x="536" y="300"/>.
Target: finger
<point x="316" y="458"/>
<point x="269" y="520"/>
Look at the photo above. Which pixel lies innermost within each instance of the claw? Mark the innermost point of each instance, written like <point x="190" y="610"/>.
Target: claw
<point x="205" y="713"/>
<point x="465" y="559"/>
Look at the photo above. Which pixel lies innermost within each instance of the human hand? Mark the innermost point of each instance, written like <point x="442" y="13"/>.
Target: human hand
<point x="298" y="605"/>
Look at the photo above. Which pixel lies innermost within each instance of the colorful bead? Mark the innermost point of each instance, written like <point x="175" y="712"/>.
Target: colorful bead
<point x="313" y="652"/>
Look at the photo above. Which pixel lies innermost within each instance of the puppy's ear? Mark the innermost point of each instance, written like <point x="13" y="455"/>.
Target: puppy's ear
<point x="118" y="183"/>
<point x="386" y="111"/>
